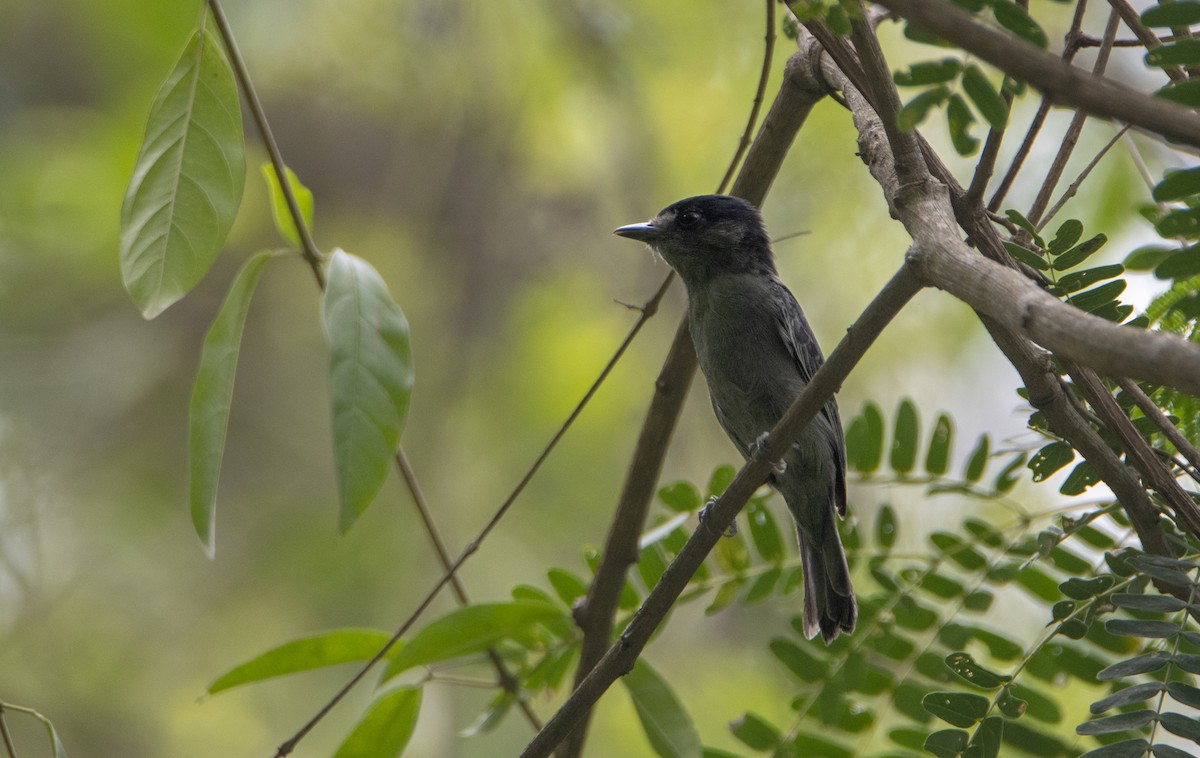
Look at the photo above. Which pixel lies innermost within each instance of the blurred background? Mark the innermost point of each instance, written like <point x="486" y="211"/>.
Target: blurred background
<point x="479" y="155"/>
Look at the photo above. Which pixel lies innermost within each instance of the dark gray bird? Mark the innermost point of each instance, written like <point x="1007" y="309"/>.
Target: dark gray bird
<point x="757" y="353"/>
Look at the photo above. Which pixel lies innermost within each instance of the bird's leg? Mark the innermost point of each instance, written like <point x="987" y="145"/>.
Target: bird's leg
<point x="703" y="516"/>
<point x="758" y="449"/>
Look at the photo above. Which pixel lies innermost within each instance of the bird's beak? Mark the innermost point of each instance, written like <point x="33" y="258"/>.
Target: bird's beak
<point x="646" y="232"/>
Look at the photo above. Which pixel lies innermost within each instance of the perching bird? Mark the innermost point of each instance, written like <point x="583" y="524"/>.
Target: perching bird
<point x="757" y="352"/>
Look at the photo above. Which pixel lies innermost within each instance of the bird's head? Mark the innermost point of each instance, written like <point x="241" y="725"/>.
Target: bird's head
<point x="706" y="236"/>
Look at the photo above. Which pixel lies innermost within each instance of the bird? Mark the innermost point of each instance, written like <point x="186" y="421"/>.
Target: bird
<point x="757" y="353"/>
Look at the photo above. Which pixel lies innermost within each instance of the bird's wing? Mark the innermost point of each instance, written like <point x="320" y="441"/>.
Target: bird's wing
<point x="802" y="345"/>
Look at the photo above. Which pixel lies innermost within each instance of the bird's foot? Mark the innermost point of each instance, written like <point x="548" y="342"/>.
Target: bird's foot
<point x="757" y="449"/>
<point x="703" y="516"/>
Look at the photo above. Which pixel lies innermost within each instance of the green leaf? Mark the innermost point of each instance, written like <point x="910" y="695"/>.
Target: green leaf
<point x="1011" y="705"/>
<point x="1016" y="217"/>
<point x="328" y="649"/>
<point x="1182" y="13"/>
<point x="279" y="207"/>
<point x="1185" y="52"/>
<point x="1181" y="264"/>
<point x="959" y="120"/>
<point x="1014" y="18"/>
<point x="1180" y="223"/>
<point x="985" y="743"/>
<point x="1049" y="459"/>
<point x="915" y="111"/>
<point x="1080" y="478"/>
<point x="386" y="727"/>
<point x="212" y="394"/>
<point x="1080" y="279"/>
<point x="1098" y="296"/>
<point x="1148" y="603"/>
<point x="929" y="72"/>
<point x="1185" y="92"/>
<point x="567" y="586"/>
<point x="864" y="440"/>
<point x="969" y="669"/>
<point x="1079" y="253"/>
<point x="1178" y="184"/>
<point x="1082" y="589"/>
<point x="885" y="527"/>
<point x="989" y="102"/>
<point x="961" y="709"/>
<point x="1008" y="476"/>
<point x="1184" y="693"/>
<point x="1141" y="628"/>
<point x="370" y="376"/>
<point x="491" y="716"/>
<point x="1027" y="256"/>
<point x="1184" y="726"/>
<point x="1066" y="236"/>
<point x="800" y="661"/>
<point x="762" y="587"/>
<point x="755" y="732"/>
<point x="187" y="180"/>
<point x="720" y="479"/>
<point x="957" y="550"/>
<point x="947" y="743"/>
<point x="1122" y="722"/>
<point x="666" y="724"/>
<point x="904" y="438"/>
<point x="680" y="496"/>
<point x="1149" y="257"/>
<point x="764" y="531"/>
<point x="467" y="630"/>
<point x="1135" y="748"/>
<point x="1135" y="694"/>
<point x="978" y="460"/>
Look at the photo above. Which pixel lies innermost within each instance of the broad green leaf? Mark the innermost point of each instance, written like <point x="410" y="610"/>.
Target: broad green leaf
<point x="755" y="732"/>
<point x="1148" y="603"/>
<point x="567" y="586"/>
<point x="1009" y="476"/>
<point x="1027" y="256"/>
<point x="938" y="456"/>
<point x="764" y="531"/>
<point x="1017" y="218"/>
<point x="961" y="709"/>
<point x="1184" y="726"/>
<point x="1049" y="459"/>
<point x="864" y="440"/>
<point x="1185" y="52"/>
<point x="970" y="670"/>
<point x="1141" y="628"/>
<point x="1015" y="19"/>
<point x="1135" y="748"/>
<point x="370" y="375"/>
<point x="1177" y="185"/>
<point x="799" y="660"/>
<point x="915" y="110"/>
<point x="929" y="72"/>
<point x="187" y="180"/>
<point x="1122" y="722"/>
<point x="1180" y="223"/>
<point x="1082" y="589"/>
<point x="978" y="460"/>
<point x="208" y="412"/>
<point x="1184" y="693"/>
<point x="959" y="120"/>
<point x="1080" y="279"/>
<point x="468" y="630"/>
<point x="806" y="743"/>
<point x="1135" y="694"/>
<point x="1067" y="235"/>
<point x="1092" y="299"/>
<point x="725" y="594"/>
<point x="720" y="479"/>
<point x="1080" y="478"/>
<point x="885" y="527"/>
<point x="989" y="102"/>
<point x="386" y="727"/>
<point x="328" y="649"/>
<point x="1038" y="583"/>
<point x="1181" y="264"/>
<point x="1149" y="257"/>
<point x="1183" y="13"/>
<point x="667" y="725"/>
<point x="1185" y="92"/>
<point x="958" y="550"/>
<point x="491" y="716"/>
<point x="680" y="496"/>
<point x="1079" y="253"/>
<point x="762" y="587"/>
<point x="279" y="207"/>
<point x="904" y="438"/>
<point x="985" y="743"/>
<point x="1011" y="705"/>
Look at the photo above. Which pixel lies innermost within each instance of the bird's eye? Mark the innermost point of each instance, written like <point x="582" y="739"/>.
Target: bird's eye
<point x="688" y="219"/>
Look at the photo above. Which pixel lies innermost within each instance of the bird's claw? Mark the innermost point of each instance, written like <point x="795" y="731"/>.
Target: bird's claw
<point x="759" y="446"/>
<point x="703" y="516"/>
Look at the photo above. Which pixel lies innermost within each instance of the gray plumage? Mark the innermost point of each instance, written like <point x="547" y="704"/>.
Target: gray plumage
<point x="757" y="352"/>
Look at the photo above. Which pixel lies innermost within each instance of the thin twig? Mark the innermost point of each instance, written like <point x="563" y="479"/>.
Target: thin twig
<point x="1075" y="185"/>
<point x="1153" y="412"/>
<point x="9" y="746"/>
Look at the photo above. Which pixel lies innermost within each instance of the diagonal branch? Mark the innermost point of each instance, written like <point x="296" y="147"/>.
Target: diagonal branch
<point x="620" y="658"/>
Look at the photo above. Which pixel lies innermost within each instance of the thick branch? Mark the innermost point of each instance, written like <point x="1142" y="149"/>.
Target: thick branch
<point x="620" y="658"/>
<point x="1062" y="82"/>
<point x="797" y="95"/>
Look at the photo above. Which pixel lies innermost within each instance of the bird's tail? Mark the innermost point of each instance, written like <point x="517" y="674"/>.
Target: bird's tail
<point x="829" y="604"/>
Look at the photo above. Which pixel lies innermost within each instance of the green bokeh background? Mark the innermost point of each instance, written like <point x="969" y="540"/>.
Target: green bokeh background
<point x="478" y="154"/>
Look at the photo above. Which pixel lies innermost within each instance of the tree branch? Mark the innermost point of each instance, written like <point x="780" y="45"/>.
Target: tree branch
<point x="620" y="658"/>
<point x="1063" y="83"/>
